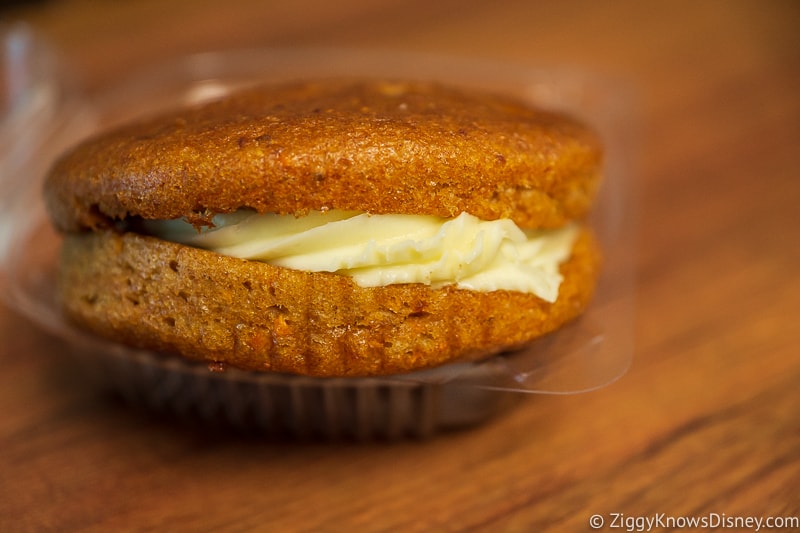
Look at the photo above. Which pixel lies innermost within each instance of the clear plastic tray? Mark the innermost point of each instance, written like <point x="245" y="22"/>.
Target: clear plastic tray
<point x="44" y="112"/>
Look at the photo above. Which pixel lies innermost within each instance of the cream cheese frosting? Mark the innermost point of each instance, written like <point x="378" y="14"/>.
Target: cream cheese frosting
<point x="377" y="250"/>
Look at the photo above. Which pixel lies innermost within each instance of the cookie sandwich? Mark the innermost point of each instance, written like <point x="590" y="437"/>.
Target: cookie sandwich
<point x="330" y="228"/>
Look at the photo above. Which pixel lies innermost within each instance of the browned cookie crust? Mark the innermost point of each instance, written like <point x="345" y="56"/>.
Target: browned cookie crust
<point x="379" y="147"/>
<point x="164" y="296"/>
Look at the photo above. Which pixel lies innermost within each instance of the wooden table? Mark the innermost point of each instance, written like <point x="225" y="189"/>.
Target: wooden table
<point x="704" y="424"/>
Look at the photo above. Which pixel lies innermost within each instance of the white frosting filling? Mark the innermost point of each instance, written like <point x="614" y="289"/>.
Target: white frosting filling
<point x="377" y="250"/>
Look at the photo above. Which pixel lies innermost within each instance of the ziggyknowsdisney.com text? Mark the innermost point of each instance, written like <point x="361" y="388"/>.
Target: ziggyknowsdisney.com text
<point x="709" y="521"/>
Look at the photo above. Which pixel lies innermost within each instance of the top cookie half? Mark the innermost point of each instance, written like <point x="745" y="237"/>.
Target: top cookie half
<point x="373" y="146"/>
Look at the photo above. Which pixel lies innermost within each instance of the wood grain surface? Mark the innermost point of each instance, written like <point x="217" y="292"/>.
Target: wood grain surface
<point x="705" y="423"/>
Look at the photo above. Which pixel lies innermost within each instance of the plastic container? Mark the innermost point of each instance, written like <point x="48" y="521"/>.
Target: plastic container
<point x="44" y="113"/>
